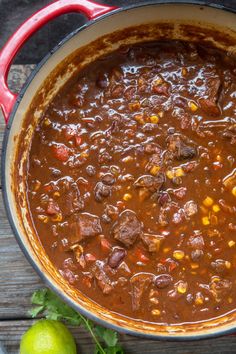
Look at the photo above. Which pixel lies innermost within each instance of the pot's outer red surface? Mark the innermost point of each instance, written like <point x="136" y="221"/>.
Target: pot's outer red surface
<point x="19" y="130"/>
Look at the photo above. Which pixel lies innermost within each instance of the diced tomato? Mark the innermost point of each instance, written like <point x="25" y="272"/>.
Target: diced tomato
<point x="172" y="266"/>
<point x="78" y="140"/>
<point x="90" y="257"/>
<point x="61" y="152"/>
<point x="52" y="208"/>
<point x="141" y="256"/>
<point x="48" y="188"/>
<point x="105" y="245"/>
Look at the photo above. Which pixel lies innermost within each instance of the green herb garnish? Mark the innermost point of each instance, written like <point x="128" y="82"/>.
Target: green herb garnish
<point x="45" y="301"/>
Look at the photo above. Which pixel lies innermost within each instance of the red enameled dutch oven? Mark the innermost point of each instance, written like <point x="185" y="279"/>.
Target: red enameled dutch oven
<point x="107" y="29"/>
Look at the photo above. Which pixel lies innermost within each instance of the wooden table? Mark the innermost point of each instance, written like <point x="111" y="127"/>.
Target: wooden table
<point x="18" y="281"/>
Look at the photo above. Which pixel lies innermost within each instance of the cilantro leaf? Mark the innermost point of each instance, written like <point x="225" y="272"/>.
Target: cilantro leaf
<point x="54" y="308"/>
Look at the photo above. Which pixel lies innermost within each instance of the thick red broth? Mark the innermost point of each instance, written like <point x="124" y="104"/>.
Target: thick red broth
<point x="132" y="181"/>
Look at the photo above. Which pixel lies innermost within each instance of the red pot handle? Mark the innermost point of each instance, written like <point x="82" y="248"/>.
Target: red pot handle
<point x="31" y="25"/>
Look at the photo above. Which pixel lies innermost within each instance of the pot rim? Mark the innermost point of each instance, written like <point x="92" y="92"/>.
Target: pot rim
<point x="46" y="279"/>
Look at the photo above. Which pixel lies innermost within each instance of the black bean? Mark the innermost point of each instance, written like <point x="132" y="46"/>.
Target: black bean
<point x="163" y="281"/>
<point x="116" y="257"/>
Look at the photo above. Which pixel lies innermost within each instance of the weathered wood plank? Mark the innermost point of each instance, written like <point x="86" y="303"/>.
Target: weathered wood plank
<point x="11" y="332"/>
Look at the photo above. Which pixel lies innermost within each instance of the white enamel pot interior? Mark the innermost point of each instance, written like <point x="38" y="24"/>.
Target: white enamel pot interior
<point x="142" y="23"/>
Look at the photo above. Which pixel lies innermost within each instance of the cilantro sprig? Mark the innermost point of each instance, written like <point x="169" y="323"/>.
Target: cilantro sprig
<point x="46" y="302"/>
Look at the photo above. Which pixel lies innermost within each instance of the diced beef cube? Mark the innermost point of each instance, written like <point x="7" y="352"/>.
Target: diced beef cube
<point x="152" y="183"/>
<point x="220" y="288"/>
<point x="127" y="228"/>
<point x="139" y="283"/>
<point x="73" y="202"/>
<point x="209" y="104"/>
<point x="196" y="242"/>
<point x="230" y="133"/>
<point x="104" y="283"/>
<point x="101" y="191"/>
<point x="85" y="226"/>
<point x="190" y="208"/>
<point x="153" y="242"/>
<point x="219" y="266"/>
<point x="181" y="147"/>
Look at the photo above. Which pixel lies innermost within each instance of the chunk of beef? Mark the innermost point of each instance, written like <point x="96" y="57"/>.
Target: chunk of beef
<point x="230" y="133"/>
<point x="108" y="179"/>
<point x="190" y="208"/>
<point x="153" y="242"/>
<point x="152" y="183"/>
<point x="72" y="201"/>
<point x="220" y="288"/>
<point x="101" y="191"/>
<point x="163" y="281"/>
<point x="220" y="266"/>
<point x="104" y="282"/>
<point x="181" y="147"/>
<point x="85" y="225"/>
<point x="139" y="283"/>
<point x="196" y="241"/>
<point x="116" y="257"/>
<point x="127" y="228"/>
<point x="230" y="181"/>
<point x="209" y="104"/>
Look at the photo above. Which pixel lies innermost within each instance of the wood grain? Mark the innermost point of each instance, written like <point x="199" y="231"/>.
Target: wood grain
<point x="11" y="332"/>
<point x="18" y="281"/>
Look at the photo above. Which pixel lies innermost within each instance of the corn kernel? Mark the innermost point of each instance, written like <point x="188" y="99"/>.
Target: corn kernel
<point x="194" y="265"/>
<point x="37" y="185"/>
<point x="158" y="81"/>
<point x="182" y="287"/>
<point x="234" y="191"/>
<point x="184" y="71"/>
<point x="56" y="194"/>
<point x="208" y="201"/>
<point x="156" y="312"/>
<point x="231" y="243"/>
<point x="127" y="197"/>
<point x="134" y="106"/>
<point x="84" y="155"/>
<point x="43" y="218"/>
<point x="57" y="217"/>
<point x="179" y="172"/>
<point x="193" y="106"/>
<point x="227" y="264"/>
<point x="230" y="300"/>
<point x="166" y="249"/>
<point x="154" y="119"/>
<point x="161" y="114"/>
<point x="170" y="174"/>
<point x="199" y="299"/>
<point x="178" y="255"/>
<point x="218" y="158"/>
<point x="139" y="118"/>
<point x="154" y="170"/>
<point x="127" y="159"/>
<point x="47" y="122"/>
<point x="154" y="300"/>
<point x="205" y="221"/>
<point x="216" y="208"/>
